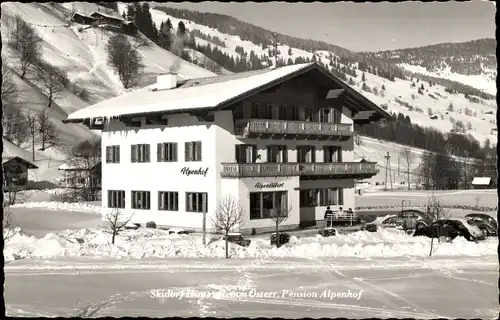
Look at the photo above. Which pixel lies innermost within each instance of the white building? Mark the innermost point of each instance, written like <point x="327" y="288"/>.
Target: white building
<point x="273" y="139"/>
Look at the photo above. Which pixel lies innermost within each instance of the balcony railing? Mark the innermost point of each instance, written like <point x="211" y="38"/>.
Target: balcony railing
<point x="256" y="127"/>
<point x="351" y="169"/>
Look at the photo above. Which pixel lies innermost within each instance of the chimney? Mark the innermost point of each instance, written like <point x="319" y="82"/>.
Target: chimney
<point x="166" y="81"/>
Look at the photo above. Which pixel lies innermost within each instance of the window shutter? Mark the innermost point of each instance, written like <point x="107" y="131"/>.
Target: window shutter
<point x="197" y="151"/>
<point x="108" y="154"/>
<point x="117" y="154"/>
<point x="204" y="202"/>
<point x="133" y="153"/>
<point x="148" y="152"/>
<point x="187" y="146"/>
<point x="285" y="154"/>
<point x="174" y="151"/>
<point x="341" y="196"/>
<point x="237" y="153"/>
<point x="159" y="152"/>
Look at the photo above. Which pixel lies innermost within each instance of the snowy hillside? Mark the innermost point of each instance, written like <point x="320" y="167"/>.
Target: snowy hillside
<point x="398" y="96"/>
<point x="79" y="51"/>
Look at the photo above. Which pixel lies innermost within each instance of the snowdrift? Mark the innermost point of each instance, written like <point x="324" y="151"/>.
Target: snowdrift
<point x="144" y="243"/>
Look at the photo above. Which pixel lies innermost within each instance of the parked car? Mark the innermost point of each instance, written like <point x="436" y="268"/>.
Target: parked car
<point x="414" y="219"/>
<point x="284" y="238"/>
<point x="238" y="239"/>
<point x="387" y="221"/>
<point x="486" y="223"/>
<point x="370" y="227"/>
<point x="452" y="228"/>
<point x="177" y="231"/>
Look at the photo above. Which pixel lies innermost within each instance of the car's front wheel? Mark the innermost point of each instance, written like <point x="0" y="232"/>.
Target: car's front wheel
<point x="485" y="232"/>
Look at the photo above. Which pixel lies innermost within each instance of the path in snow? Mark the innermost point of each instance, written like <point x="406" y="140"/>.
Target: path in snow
<point x="395" y="288"/>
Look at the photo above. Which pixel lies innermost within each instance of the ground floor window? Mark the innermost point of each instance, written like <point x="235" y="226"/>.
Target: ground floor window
<point x="321" y="197"/>
<point x="309" y="198"/>
<point x="168" y="201"/>
<point x="116" y="199"/>
<point x="263" y="204"/>
<point x="196" y="201"/>
<point x="141" y="200"/>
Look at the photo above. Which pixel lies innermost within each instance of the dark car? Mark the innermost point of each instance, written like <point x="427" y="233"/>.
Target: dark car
<point x="414" y="219"/>
<point x="451" y="228"/>
<point x="238" y="239"/>
<point x="370" y="227"/>
<point x="485" y="223"/>
<point x="284" y="238"/>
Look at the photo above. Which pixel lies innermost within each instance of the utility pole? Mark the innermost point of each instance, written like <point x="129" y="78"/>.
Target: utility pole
<point x="398" y="166"/>
<point x="388" y="171"/>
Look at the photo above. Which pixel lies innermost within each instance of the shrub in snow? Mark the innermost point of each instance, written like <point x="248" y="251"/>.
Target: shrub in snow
<point x="151" y="224"/>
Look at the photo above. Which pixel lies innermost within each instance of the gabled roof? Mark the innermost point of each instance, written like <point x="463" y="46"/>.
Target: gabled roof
<point x="29" y="165"/>
<point x="106" y="15"/>
<point x="481" y="181"/>
<point x="215" y="92"/>
<point x="82" y="15"/>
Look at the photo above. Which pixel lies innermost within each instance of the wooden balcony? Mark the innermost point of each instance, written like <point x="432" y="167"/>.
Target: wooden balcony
<point x="318" y="170"/>
<point x="283" y="129"/>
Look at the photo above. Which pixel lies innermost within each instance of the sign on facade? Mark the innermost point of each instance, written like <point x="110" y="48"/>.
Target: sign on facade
<point x="270" y="185"/>
<point x="197" y="172"/>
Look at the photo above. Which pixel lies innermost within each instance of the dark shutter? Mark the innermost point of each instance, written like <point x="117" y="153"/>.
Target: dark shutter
<point x="159" y="152"/>
<point x="197" y="151"/>
<point x="187" y="146"/>
<point x="148" y="153"/>
<point x="109" y="154"/>
<point x="174" y="152"/>
<point x="133" y="153"/>
<point x="117" y="154"/>
<point x="204" y="202"/>
<point x="341" y="196"/>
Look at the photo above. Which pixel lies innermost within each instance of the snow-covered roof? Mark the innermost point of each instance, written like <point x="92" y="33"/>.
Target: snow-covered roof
<point x="203" y="93"/>
<point x="82" y="15"/>
<point x="30" y="165"/>
<point x="107" y="15"/>
<point x="481" y="181"/>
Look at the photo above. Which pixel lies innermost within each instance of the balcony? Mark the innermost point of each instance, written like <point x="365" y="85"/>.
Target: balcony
<point x="360" y="170"/>
<point x="283" y="129"/>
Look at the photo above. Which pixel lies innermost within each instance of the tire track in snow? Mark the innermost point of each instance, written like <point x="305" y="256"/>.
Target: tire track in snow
<point x="378" y="288"/>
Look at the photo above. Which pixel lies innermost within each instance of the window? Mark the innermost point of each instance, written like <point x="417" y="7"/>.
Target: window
<point x="312" y="114"/>
<point x="309" y="198"/>
<point x="331" y="196"/>
<point x="264" y="204"/>
<point x="282" y="112"/>
<point x="168" y="201"/>
<point x="113" y="154"/>
<point x="255" y="110"/>
<point x="277" y="154"/>
<point x="141" y="200"/>
<point x="140" y="153"/>
<point x="325" y="115"/>
<point x="116" y="199"/>
<point x="332" y="154"/>
<point x="167" y="152"/>
<point x="306" y="154"/>
<point x="196" y="201"/>
<point x="337" y="114"/>
<point x="192" y="151"/>
<point x="246" y="153"/>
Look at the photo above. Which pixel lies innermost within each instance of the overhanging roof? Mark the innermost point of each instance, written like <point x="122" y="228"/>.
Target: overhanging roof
<point x="28" y="164"/>
<point x="221" y="91"/>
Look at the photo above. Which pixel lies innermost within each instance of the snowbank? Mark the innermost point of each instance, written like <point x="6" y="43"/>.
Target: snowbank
<point x="143" y="243"/>
<point x="66" y="206"/>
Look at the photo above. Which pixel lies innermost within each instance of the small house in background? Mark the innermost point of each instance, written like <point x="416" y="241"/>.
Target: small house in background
<point x="75" y="176"/>
<point x="481" y="183"/>
<point x="15" y="173"/>
<point x="107" y="19"/>
<point x="82" y="18"/>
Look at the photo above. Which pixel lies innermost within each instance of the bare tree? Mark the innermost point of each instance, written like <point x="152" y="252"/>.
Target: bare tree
<point x="85" y="156"/>
<point x="26" y="44"/>
<point x="408" y="158"/>
<point x="32" y="122"/>
<point x="15" y="128"/>
<point x="115" y="222"/>
<point x="477" y="199"/>
<point x="357" y="138"/>
<point x="279" y="215"/>
<point x="52" y="80"/>
<point x="124" y="59"/>
<point x="435" y="212"/>
<point x="9" y="224"/>
<point x="9" y="88"/>
<point x="228" y="214"/>
<point x="48" y="133"/>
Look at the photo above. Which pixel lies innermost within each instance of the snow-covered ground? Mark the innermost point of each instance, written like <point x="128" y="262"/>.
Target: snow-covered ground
<point x="272" y="287"/>
<point x="144" y="243"/>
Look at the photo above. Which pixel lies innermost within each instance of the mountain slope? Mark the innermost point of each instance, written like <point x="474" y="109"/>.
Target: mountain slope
<point x="472" y="62"/>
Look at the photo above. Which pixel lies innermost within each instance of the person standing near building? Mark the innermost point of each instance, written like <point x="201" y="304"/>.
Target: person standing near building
<point x="328" y="216"/>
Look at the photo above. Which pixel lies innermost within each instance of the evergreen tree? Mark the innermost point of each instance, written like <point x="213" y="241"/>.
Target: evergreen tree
<point x="181" y="29"/>
<point x="383" y="87"/>
<point x="289" y="62"/>
<point x="363" y="77"/>
<point x="289" y="51"/>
